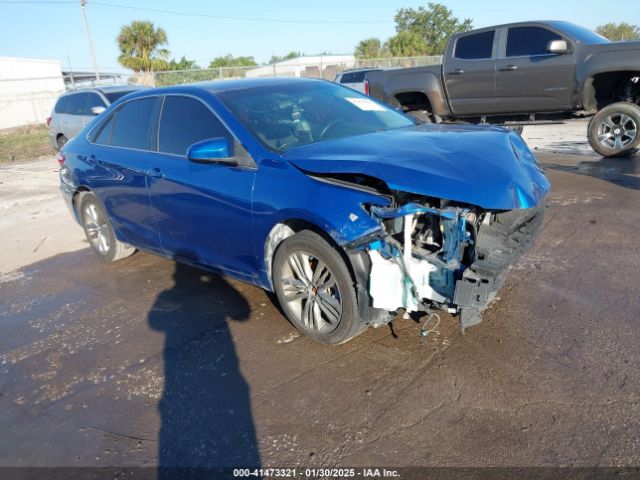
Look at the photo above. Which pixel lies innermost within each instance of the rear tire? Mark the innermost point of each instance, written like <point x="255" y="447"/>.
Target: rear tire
<point x="315" y="289"/>
<point x="613" y="131"/>
<point x="99" y="231"/>
<point x="61" y="141"/>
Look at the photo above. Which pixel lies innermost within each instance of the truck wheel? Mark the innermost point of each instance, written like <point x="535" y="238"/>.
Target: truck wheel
<point x="422" y="116"/>
<point x="613" y="131"/>
<point x="315" y="289"/>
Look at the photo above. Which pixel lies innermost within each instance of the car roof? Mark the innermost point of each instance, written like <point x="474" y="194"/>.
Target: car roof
<point x="107" y="89"/>
<point x="247" y="83"/>
<point x="219" y="86"/>
<point x="550" y="23"/>
<point x="120" y="88"/>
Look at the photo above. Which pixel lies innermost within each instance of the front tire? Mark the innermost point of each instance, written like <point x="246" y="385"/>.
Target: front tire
<point x="613" y="131"/>
<point x="315" y="289"/>
<point x="99" y="231"/>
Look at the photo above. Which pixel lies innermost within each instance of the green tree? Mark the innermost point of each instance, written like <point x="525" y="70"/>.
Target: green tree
<point x="288" y="56"/>
<point x="619" y="31"/>
<point x="183" y="64"/>
<point x="434" y="25"/>
<point x="229" y="60"/>
<point x="140" y="47"/>
<point x="407" y="44"/>
<point x="369" y="48"/>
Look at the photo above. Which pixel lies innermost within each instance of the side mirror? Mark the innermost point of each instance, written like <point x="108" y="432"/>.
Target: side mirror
<point x="212" y="150"/>
<point x="557" y="46"/>
<point x="97" y="110"/>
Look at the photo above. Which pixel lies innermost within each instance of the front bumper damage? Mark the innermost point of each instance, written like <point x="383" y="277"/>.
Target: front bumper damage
<point x="499" y="245"/>
<point x="424" y="259"/>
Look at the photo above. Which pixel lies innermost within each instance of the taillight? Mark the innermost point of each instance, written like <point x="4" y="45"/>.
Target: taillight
<point x="61" y="158"/>
<point x="48" y="121"/>
<point x="366" y="87"/>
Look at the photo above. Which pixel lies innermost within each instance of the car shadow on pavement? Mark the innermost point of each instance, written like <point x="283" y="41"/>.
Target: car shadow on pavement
<point x="624" y="172"/>
<point x="206" y="419"/>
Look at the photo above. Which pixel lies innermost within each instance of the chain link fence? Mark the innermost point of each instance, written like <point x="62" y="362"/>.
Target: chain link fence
<point x="326" y="69"/>
<point x="26" y="103"/>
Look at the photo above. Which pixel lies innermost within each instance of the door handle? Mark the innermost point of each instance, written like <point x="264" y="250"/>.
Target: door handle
<point x="457" y="71"/>
<point x="155" y="173"/>
<point x="509" y="68"/>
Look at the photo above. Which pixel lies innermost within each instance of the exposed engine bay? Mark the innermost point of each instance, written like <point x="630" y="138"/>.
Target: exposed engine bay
<point x="435" y="255"/>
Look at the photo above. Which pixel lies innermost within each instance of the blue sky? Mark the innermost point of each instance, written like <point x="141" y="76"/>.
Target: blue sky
<point x="56" y="31"/>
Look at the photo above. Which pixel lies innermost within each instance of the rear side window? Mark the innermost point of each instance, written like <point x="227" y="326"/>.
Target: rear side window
<point x="348" y="78"/>
<point x="72" y="104"/>
<point x="61" y="105"/>
<point x="77" y="104"/>
<point x="526" y="41"/>
<point x="102" y="134"/>
<point x="133" y="125"/>
<point x="475" y="47"/>
<point x="185" y="121"/>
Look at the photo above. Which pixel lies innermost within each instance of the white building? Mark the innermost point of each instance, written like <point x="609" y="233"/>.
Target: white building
<point x="306" y="66"/>
<point x="28" y="90"/>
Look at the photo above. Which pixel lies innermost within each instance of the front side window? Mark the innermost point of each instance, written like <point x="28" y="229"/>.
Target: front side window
<point x="185" y="121"/>
<point x="475" y="47"/>
<point x="133" y="125"/>
<point x="527" y="41"/>
<point x="91" y="100"/>
<point x="292" y="115"/>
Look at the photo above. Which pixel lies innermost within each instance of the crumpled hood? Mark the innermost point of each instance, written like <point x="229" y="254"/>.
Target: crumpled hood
<point x="485" y="166"/>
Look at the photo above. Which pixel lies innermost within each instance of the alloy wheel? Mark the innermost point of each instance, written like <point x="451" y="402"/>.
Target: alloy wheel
<point x="311" y="292"/>
<point x="617" y="131"/>
<point x="97" y="228"/>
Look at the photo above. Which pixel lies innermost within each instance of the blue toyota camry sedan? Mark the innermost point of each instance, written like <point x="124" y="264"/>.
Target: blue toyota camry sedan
<point x="345" y="208"/>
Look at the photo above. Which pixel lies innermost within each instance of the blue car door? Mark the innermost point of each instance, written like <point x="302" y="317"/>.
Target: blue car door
<point x="117" y="170"/>
<point x="201" y="210"/>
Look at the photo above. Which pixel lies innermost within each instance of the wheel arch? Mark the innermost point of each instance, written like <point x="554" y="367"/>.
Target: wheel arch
<point x="414" y="100"/>
<point x="287" y="228"/>
<point x="603" y="88"/>
<point x="77" y="197"/>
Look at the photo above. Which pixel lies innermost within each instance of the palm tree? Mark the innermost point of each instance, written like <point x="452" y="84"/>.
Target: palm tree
<point x="140" y="45"/>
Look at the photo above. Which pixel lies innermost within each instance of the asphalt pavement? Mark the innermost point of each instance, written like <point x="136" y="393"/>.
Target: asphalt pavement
<point x="146" y="362"/>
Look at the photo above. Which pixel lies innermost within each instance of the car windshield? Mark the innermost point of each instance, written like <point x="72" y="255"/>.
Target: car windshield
<point x="113" y="96"/>
<point x="581" y="34"/>
<point x="293" y="115"/>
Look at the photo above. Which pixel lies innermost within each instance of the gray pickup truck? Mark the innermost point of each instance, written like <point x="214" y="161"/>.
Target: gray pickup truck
<point x="527" y="73"/>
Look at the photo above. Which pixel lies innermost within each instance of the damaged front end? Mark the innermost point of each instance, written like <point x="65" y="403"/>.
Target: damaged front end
<point x="458" y="205"/>
<point x="434" y="255"/>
